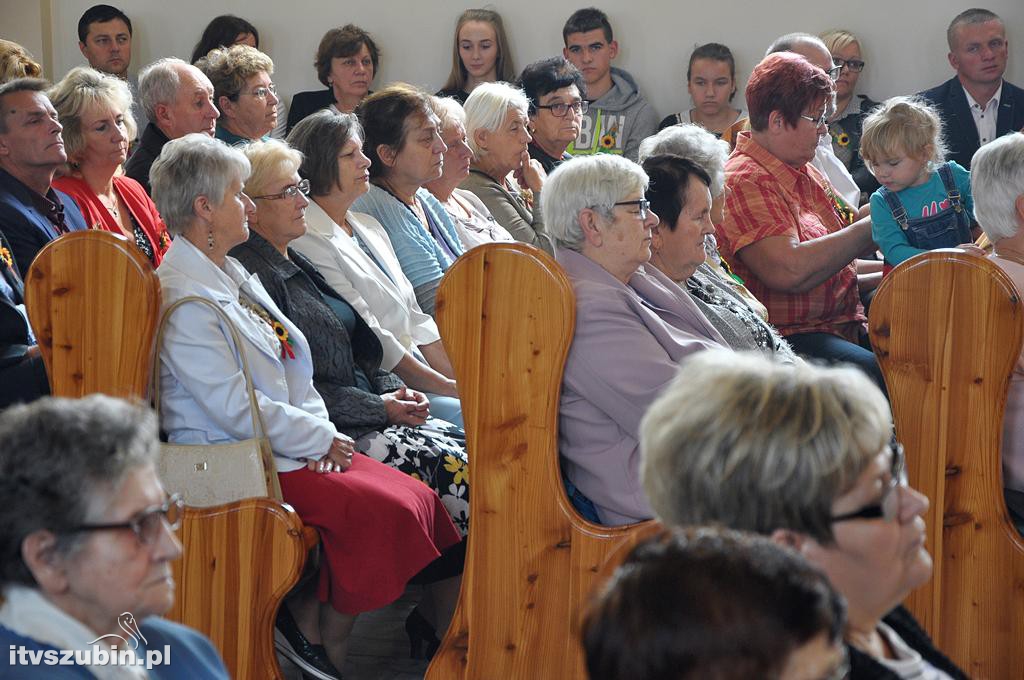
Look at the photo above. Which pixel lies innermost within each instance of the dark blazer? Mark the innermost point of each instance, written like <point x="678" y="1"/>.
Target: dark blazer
<point x="307" y="103"/>
<point x="26" y="228"/>
<point x="863" y="667"/>
<point x="22" y="378"/>
<point x="961" y="133"/>
<point x="150" y="146"/>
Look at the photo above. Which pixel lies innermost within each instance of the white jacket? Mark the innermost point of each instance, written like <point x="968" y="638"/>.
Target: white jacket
<point x="203" y="394"/>
<point x="385" y="299"/>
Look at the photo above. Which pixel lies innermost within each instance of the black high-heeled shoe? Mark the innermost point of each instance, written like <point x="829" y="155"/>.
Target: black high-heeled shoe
<point x="311" y="659"/>
<point x="423" y="641"/>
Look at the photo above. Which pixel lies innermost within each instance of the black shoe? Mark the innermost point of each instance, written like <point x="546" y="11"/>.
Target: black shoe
<point x="311" y="659"/>
<point x="423" y="642"/>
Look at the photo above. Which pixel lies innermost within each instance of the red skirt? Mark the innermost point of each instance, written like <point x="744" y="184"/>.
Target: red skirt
<point x="378" y="528"/>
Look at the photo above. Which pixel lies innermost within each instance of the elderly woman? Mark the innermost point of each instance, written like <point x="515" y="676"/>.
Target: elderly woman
<point x="243" y="92"/>
<point x="345" y="62"/>
<point x="474" y="222"/>
<point x="95" y="110"/>
<point x="558" y="100"/>
<point x="87" y="545"/>
<point x="389" y="422"/>
<point x="378" y="527"/>
<point x="845" y="124"/>
<point x="713" y="603"/>
<point x="680" y="194"/>
<point x="803" y="454"/>
<point x="997" y="184"/>
<point x="710" y="153"/>
<point x="403" y="143"/>
<point x="355" y="256"/>
<point x="502" y="175"/>
<point x="17" y="62"/>
<point x="633" y="325"/>
<point x="783" y="232"/>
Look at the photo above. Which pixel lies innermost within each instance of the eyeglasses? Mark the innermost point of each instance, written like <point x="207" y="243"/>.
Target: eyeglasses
<point x="855" y="65"/>
<point x="261" y="92"/>
<point x="290" y="191"/>
<point x="560" y="109"/>
<point x="834" y="72"/>
<point x="820" y="120"/>
<point x="148" y="524"/>
<point x="642" y="204"/>
<point x="888" y="505"/>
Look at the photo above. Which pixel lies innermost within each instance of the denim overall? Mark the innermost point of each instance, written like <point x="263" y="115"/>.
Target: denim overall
<point x="946" y="229"/>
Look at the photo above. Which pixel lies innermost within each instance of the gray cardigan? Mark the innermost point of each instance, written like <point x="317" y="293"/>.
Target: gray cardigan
<point x="510" y="211"/>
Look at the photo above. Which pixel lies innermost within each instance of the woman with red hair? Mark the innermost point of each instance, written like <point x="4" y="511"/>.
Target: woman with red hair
<point x="785" y="231"/>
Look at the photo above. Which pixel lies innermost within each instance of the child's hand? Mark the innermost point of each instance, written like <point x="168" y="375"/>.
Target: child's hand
<point x="972" y="249"/>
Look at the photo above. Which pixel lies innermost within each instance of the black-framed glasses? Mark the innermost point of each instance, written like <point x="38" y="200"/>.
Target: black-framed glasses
<point x="834" y="72"/>
<point x="642" y="204"/>
<point x="261" y="92"/>
<point x="147" y="524"/>
<point x="561" y="109"/>
<point x="290" y="191"/>
<point x="888" y="506"/>
<point x="855" y="65"/>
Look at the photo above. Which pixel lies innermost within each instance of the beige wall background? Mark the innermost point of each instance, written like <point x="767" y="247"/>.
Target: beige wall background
<point x="903" y="40"/>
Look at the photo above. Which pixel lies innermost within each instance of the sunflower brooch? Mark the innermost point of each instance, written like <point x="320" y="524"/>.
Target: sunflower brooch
<point x="843" y="139"/>
<point x="286" y="342"/>
<point x="5" y="257"/>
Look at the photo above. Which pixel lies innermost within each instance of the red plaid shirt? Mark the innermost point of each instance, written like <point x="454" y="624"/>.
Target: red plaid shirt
<point x="767" y="198"/>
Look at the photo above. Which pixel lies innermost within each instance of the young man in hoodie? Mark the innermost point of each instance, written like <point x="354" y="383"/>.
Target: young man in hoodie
<point x="619" y="117"/>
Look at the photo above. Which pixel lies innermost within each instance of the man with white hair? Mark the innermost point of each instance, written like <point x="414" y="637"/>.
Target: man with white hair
<point x="178" y="100"/>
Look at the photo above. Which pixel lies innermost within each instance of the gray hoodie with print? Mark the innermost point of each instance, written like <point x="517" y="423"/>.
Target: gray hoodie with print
<point x="617" y="122"/>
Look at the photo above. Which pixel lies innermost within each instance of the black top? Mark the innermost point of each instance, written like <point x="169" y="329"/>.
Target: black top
<point x="307" y="103"/>
<point x="22" y="378"/>
<point x="150" y="146"/>
<point x="300" y="292"/>
<point x="458" y="95"/>
<point x="547" y="161"/>
<point x="864" y="667"/>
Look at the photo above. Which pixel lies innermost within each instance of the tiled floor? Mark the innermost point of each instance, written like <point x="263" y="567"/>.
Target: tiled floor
<point x="379" y="649"/>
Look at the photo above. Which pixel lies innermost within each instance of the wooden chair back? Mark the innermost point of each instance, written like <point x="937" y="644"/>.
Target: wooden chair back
<point x="947" y="329"/>
<point x="241" y="559"/>
<point x="506" y="313"/>
<point x="93" y="300"/>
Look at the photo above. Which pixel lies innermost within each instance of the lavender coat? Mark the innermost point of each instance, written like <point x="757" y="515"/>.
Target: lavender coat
<point x="628" y="343"/>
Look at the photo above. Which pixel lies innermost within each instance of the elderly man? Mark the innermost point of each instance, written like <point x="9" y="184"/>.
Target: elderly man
<point x="178" y="100"/>
<point x="976" y="105"/>
<point x="784" y="232"/>
<point x="32" y="213"/>
<point x="105" y="40"/>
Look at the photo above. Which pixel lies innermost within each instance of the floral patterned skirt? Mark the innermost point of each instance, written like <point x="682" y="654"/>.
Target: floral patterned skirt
<point x="434" y="453"/>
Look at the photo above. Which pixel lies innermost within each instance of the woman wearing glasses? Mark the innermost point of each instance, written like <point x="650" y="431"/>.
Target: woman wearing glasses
<point x="845" y="124"/>
<point x="805" y="455"/>
<point x="86" y="546"/>
<point x="633" y="325"/>
<point x="243" y="92"/>
<point x="558" y="100"/>
<point x="502" y="174"/>
<point x="379" y="527"/>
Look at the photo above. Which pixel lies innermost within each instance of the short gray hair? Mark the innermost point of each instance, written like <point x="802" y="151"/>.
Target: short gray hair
<point x="692" y="142"/>
<point x="596" y="182"/>
<point x="159" y="83"/>
<point x="488" y="106"/>
<point x="82" y="87"/>
<point x="448" y="111"/>
<point x="741" y="441"/>
<point x="320" y="137"/>
<point x="192" y="166"/>
<point x="61" y="462"/>
<point x="997" y="180"/>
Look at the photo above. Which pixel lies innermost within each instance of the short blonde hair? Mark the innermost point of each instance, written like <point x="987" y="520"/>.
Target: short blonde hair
<point x="16" y="62"/>
<point x="269" y="160"/>
<point x="838" y="39"/>
<point x="229" y="67"/>
<point x="81" y="88"/>
<point x="903" y="125"/>
<point x="743" y="442"/>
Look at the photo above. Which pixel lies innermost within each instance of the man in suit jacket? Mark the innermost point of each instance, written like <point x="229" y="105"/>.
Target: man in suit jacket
<point x="32" y="213"/>
<point x="976" y="105"/>
<point x="178" y="100"/>
<point x="22" y="375"/>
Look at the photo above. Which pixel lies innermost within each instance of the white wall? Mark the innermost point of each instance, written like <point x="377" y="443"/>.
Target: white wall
<point x="903" y="40"/>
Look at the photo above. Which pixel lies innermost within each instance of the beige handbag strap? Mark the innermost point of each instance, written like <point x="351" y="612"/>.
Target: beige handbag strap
<point x="257" y="420"/>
